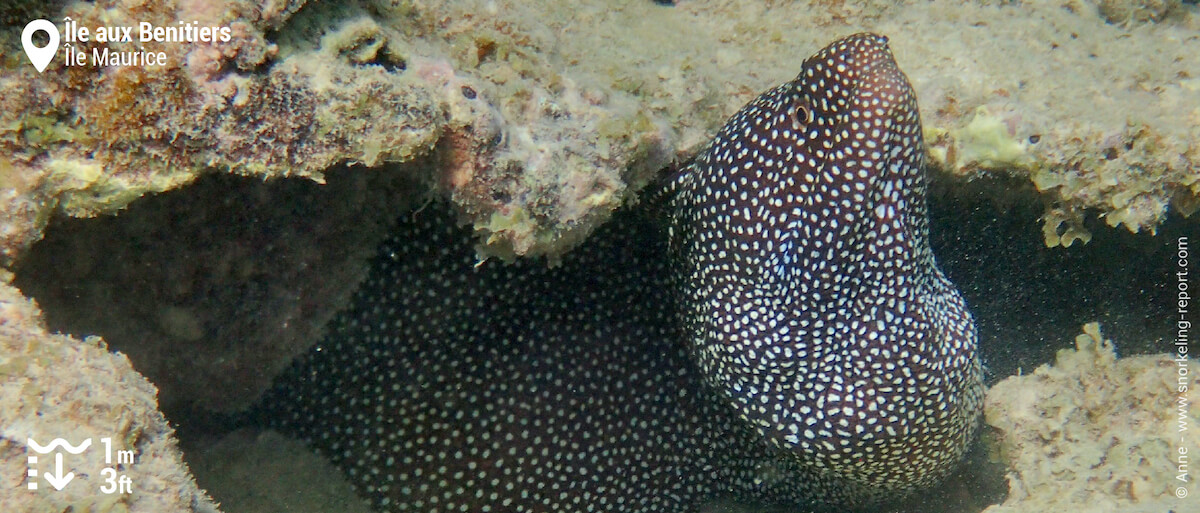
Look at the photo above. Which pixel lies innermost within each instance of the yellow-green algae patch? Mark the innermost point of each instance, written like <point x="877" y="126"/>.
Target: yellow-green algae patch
<point x="987" y="142"/>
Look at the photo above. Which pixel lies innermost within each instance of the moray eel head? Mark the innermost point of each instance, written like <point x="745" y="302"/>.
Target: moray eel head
<point x="808" y="291"/>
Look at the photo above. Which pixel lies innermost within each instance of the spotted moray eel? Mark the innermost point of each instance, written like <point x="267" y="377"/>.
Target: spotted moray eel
<point x="783" y="336"/>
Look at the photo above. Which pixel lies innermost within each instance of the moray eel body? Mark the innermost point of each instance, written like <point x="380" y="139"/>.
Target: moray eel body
<point x="783" y="336"/>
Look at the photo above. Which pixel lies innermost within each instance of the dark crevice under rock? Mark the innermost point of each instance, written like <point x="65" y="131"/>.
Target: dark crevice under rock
<point x="211" y="289"/>
<point x="1030" y="301"/>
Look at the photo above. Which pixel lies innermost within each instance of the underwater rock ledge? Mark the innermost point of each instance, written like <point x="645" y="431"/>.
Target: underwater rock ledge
<point x="549" y="117"/>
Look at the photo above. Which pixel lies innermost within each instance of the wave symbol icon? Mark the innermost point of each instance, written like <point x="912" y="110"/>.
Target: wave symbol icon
<point x="66" y="446"/>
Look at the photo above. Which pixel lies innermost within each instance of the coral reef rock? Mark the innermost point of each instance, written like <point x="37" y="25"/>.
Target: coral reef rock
<point x="53" y="386"/>
<point x="1095" y="432"/>
<point x="546" y="117"/>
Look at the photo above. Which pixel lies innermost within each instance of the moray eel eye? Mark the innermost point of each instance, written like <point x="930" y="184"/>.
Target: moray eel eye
<point x="800" y="116"/>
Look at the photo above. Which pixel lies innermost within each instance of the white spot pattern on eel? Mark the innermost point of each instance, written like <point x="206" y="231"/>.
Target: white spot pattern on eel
<point x="787" y="338"/>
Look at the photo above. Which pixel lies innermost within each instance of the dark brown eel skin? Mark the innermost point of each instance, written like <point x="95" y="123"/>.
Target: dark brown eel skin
<point x="769" y="326"/>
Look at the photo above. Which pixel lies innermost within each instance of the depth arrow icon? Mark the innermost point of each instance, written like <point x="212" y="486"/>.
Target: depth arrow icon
<point x="57" y="479"/>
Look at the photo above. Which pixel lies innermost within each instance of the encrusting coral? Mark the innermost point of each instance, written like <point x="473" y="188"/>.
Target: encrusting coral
<point x="342" y="88"/>
<point x="547" y="117"/>
<point x="1094" y="430"/>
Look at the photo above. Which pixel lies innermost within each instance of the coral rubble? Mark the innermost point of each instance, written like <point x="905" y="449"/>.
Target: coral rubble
<point x="1094" y="431"/>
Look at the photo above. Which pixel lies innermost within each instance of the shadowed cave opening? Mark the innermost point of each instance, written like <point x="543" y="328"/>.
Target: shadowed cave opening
<point x="1029" y="301"/>
<point x="213" y="288"/>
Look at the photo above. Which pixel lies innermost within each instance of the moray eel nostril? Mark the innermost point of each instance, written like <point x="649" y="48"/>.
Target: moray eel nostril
<point x="786" y="339"/>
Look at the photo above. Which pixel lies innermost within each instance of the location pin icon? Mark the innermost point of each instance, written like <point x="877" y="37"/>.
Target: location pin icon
<point x="40" y="57"/>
